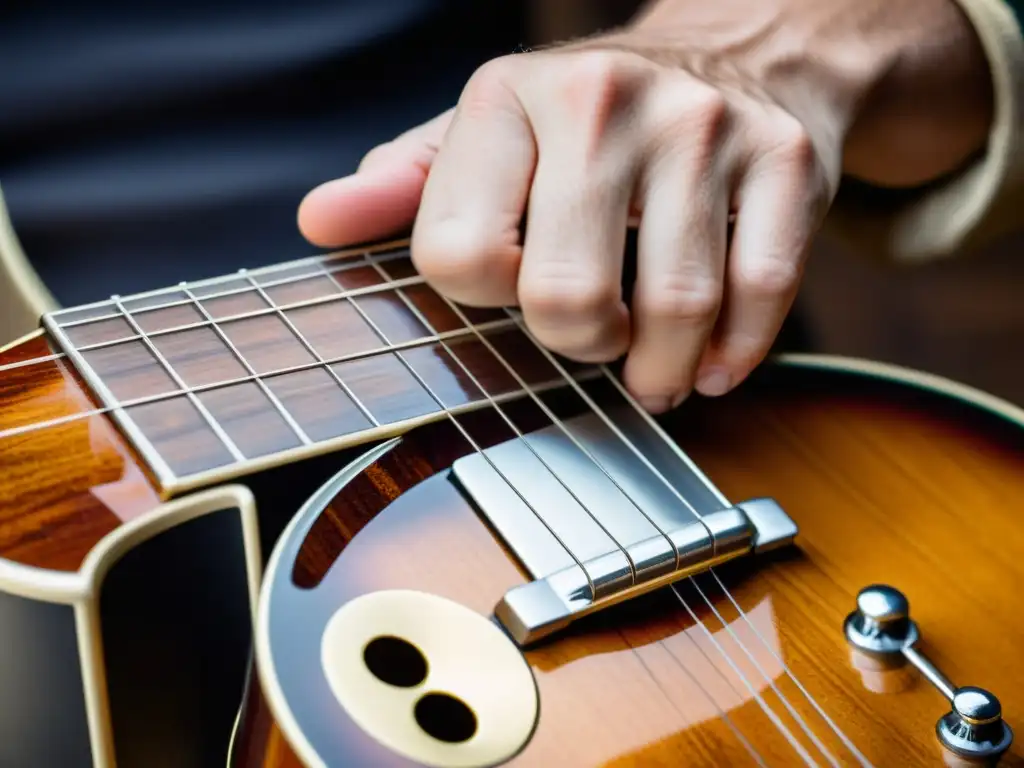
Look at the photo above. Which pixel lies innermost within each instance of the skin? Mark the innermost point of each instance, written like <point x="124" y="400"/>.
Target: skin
<point x="693" y="116"/>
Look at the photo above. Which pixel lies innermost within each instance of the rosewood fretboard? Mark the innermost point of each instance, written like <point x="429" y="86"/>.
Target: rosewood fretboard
<point x="219" y="377"/>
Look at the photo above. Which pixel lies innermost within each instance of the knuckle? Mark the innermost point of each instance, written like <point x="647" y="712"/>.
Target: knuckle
<point x="684" y="301"/>
<point x="768" y="277"/>
<point x="380" y="152"/>
<point x="794" y="146"/>
<point x="693" y="117"/>
<point x="572" y="298"/>
<point x="489" y="87"/>
<point x="604" y="87"/>
<point x="452" y="254"/>
<point x="597" y="72"/>
<point x="708" y="111"/>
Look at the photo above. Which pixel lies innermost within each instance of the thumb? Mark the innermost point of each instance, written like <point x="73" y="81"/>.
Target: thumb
<point x="381" y="198"/>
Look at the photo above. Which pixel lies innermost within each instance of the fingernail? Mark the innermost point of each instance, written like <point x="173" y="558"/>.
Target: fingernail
<point x="655" y="403"/>
<point x="714" y="383"/>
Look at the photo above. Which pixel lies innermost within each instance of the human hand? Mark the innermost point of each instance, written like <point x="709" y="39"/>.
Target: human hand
<point x="693" y="112"/>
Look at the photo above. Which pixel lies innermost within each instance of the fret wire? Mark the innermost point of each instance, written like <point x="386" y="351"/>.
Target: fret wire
<point x="352" y="260"/>
<point x="244" y="315"/>
<point x="546" y="410"/>
<point x="425" y="341"/>
<point x="707" y="483"/>
<point x="403" y="282"/>
<point x="309" y="348"/>
<point x="294" y="425"/>
<point x="190" y="394"/>
<point x="474" y="444"/>
<point x="525" y="387"/>
<point x="142" y="442"/>
<point x="117" y="409"/>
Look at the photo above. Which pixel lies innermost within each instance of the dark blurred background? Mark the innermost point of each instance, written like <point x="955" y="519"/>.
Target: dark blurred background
<point x="146" y="143"/>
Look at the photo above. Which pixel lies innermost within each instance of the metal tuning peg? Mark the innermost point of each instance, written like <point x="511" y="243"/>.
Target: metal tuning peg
<point x="881" y="628"/>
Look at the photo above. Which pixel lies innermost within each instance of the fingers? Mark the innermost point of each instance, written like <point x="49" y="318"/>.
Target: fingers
<point x="570" y="280"/>
<point x="780" y="203"/>
<point x="681" y="254"/>
<point x="466" y="240"/>
<point x="379" y="200"/>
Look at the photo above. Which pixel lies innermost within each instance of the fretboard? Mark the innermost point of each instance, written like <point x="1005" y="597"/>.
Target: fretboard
<point x="222" y="377"/>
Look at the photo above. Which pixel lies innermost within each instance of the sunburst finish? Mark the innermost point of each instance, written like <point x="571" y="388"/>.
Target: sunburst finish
<point x="891" y="476"/>
<point x="888" y="482"/>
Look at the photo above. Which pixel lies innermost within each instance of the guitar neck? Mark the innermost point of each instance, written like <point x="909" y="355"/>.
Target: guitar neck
<point x="219" y="378"/>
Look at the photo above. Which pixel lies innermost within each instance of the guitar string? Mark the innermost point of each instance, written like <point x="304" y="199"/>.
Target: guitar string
<point x="175" y="393"/>
<point x="472" y="442"/>
<point x="647" y="417"/>
<point x="753" y="627"/>
<point x="861" y="758"/>
<point x="318" y="264"/>
<point x="519" y="435"/>
<point x="368" y="259"/>
<point x="564" y="429"/>
<point x="751" y="750"/>
<point x="810" y="733"/>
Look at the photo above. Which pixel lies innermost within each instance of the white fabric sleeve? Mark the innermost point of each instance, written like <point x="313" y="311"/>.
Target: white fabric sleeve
<point x="976" y="205"/>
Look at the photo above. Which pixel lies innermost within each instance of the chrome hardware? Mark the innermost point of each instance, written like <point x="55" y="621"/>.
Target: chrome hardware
<point x="595" y="524"/>
<point x="881" y="627"/>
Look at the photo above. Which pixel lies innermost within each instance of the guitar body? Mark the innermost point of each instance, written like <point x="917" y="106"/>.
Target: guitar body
<point x="149" y="585"/>
<point x="892" y="477"/>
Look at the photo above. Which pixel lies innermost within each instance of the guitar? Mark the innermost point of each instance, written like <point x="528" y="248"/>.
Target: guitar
<point x="402" y="533"/>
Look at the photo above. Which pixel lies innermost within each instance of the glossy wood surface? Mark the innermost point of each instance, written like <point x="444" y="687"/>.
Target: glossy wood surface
<point x="66" y="485"/>
<point x="296" y="357"/>
<point x="888" y="484"/>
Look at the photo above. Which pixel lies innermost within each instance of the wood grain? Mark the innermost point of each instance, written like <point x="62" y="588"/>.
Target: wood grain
<point x="887" y="483"/>
<point x="65" y="486"/>
<point x="277" y="365"/>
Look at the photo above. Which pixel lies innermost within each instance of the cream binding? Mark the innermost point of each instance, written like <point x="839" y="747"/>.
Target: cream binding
<point x="82" y="590"/>
<point x="23" y="297"/>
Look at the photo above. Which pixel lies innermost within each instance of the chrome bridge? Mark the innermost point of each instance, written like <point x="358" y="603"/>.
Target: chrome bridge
<point x="599" y="511"/>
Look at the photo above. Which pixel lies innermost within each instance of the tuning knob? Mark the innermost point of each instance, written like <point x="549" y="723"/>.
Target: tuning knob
<point x="975" y="729"/>
<point x="881" y="627"/>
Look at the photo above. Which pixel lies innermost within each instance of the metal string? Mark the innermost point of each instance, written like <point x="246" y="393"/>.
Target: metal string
<point x="388" y="284"/>
<point x="560" y="424"/>
<point x="654" y="425"/>
<point x="664" y="690"/>
<point x="813" y="702"/>
<point x="519" y="436"/>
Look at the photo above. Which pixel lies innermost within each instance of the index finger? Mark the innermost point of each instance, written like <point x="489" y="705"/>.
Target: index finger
<point x="381" y="198"/>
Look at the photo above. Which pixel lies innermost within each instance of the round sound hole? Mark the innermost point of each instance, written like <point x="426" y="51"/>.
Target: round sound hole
<point x="445" y="718"/>
<point x="395" y="661"/>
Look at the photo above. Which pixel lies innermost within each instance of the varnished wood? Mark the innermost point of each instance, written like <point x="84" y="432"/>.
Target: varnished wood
<point x="65" y="486"/>
<point x="254" y="360"/>
<point x="887" y="483"/>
